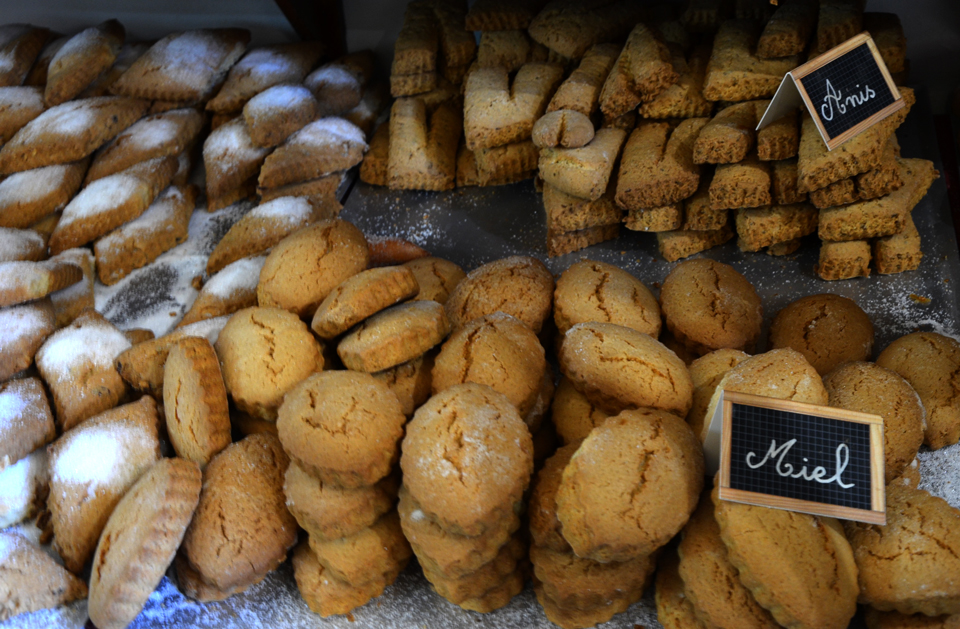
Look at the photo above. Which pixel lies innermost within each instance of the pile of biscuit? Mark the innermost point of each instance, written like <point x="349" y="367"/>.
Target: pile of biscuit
<point x="654" y="127"/>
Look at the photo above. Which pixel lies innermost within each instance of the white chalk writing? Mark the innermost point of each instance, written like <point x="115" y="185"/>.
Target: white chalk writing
<point x="786" y="469"/>
<point x="834" y="102"/>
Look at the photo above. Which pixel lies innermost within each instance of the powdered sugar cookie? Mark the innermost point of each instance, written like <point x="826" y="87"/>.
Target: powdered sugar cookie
<point x="230" y="157"/>
<point x="320" y="148"/>
<point x="32" y="579"/>
<point x="18" y="106"/>
<point x="275" y="113"/>
<point x="82" y="59"/>
<point x="230" y="289"/>
<point x="26" y="422"/>
<point x="29" y="196"/>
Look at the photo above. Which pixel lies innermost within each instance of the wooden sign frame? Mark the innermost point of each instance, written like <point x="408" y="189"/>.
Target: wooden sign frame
<point x="877" y="512"/>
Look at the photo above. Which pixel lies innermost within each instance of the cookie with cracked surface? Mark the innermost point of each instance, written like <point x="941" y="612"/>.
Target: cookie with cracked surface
<point x="410" y="381"/>
<point x="708" y="305"/>
<point x="876" y="619"/>
<point x="674" y="609"/>
<point x="263" y="353"/>
<point x="609" y="497"/>
<point x="618" y="367"/>
<point x="325" y="594"/>
<point x="499" y="595"/>
<point x="706" y="372"/>
<point x="597" y="291"/>
<point x="342" y="426"/>
<point x="572" y="414"/>
<point x="436" y="277"/>
<point x="488" y="576"/>
<point x="546" y="532"/>
<point x="467" y="458"/>
<point x="520" y="286"/>
<point x="496" y="350"/>
<point x="827" y="329"/>
<point x="394" y="336"/>
<point x="304" y="267"/>
<point x="574" y="618"/>
<point x="930" y="362"/>
<point x="575" y="582"/>
<point x="376" y="553"/>
<point x="140" y="540"/>
<point x="819" y="586"/>
<point x="32" y="579"/>
<point x="195" y="401"/>
<point x="362" y="296"/>
<point x="226" y="546"/>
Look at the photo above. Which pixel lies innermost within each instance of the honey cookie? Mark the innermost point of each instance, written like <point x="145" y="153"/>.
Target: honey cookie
<point x="575" y="618"/>
<point x="342" y="426"/>
<point x="263" y="353"/>
<point x="706" y="373"/>
<point x="546" y="531"/>
<point x="32" y="579"/>
<point x="674" y="609"/>
<point x="376" y="553"/>
<point x="23" y="329"/>
<point x="574" y="582"/>
<point x="572" y="414"/>
<point x="394" y="336"/>
<point x="410" y="381"/>
<point x="362" y="296"/>
<point x="708" y="305"/>
<point x="497" y="596"/>
<point x="325" y="594"/>
<point x="597" y="291"/>
<point x="483" y="579"/>
<point x="26" y="422"/>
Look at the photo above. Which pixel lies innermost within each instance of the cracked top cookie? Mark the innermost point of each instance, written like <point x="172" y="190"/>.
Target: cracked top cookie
<point x="597" y="291"/>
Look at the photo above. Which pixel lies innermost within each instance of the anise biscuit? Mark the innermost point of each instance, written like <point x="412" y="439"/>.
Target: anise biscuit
<point x="422" y="147"/>
<point x="566" y="213"/>
<point x="230" y="157"/>
<point x="609" y="501"/>
<point x="436" y="277"/>
<point x="140" y="540"/>
<point x="18" y="106"/>
<point x="581" y="90"/>
<point x="783" y="183"/>
<point x="26" y="422"/>
<point x="277" y="112"/>
<point x="843" y="260"/>
<point x="29" y="196"/>
<point x="394" y="336"/>
<point x="195" y="401"/>
<point x="839" y="21"/>
<point x="674" y="609"/>
<point x="767" y="226"/>
<point x="323" y="593"/>
<point x="506" y="164"/>
<point x="499" y="595"/>
<point x="260" y="229"/>
<point x="683" y="243"/>
<point x="338" y="85"/>
<point x="927" y="361"/>
<point x="262" y="68"/>
<point x="137" y="243"/>
<point x="304" y="267"/>
<point x="564" y="127"/>
<point x="683" y="99"/>
<point x="91" y="468"/>
<point x="570" y="28"/>
<point x="618" y="367"/>
<point x="655" y="219"/>
<point x="562" y="243"/>
<point x="185" y="66"/>
<point x="574" y="582"/>
<point x="546" y="532"/>
<point x="81" y="60"/>
<point x="21" y="245"/>
<point x="575" y="618"/>
<point x="477" y="583"/>
<point x="704" y="16"/>
<point x="362" y="296"/>
<point x="657" y="168"/>
<point x="375" y="553"/>
<point x="520" y="286"/>
<point x="230" y="289"/>
<point x="584" y="172"/>
<point x="226" y="547"/>
<point x="788" y="30"/>
<point x="373" y="170"/>
<point x="706" y="373"/>
<point x="263" y="353"/>
<point x="467" y="438"/>
<point x="329" y="512"/>
<point x="161" y="135"/>
<point x="735" y="73"/>
<point x="597" y="291"/>
<point x="642" y="71"/>
<point x="698" y="213"/>
<point x="32" y="580"/>
<point x="507" y="49"/>
<point x="780" y="139"/>
<point x="743" y="185"/>
<point x="25" y="281"/>
<point x="885" y="178"/>
<point x="350" y="439"/>
<point x="69" y="302"/>
<point x="728" y="136"/>
<point x="402" y="85"/>
<point x="320" y="148"/>
<point x="708" y="305"/>
<point x="900" y="252"/>
<point x="572" y="414"/>
<point x="501" y="15"/>
<point x="20" y="44"/>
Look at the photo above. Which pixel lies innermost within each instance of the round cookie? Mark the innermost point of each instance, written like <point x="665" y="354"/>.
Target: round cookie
<point x="378" y="552"/>
<point x="394" y="336"/>
<point x="573" y="415"/>
<point x="195" y="401"/>
<point x="534" y="418"/>
<point x="799" y="567"/>
<point x="708" y="305"/>
<point x="911" y="564"/>
<point x="304" y="267"/>
<point x="545" y="529"/>
<point x="361" y="296"/>
<point x="323" y="593"/>
<point x="328" y="512"/>
<point x="477" y="583"/>
<point x="410" y="381"/>
<point x="674" y="609"/>
<point x="574" y="618"/>
<point x="597" y="291"/>
<point x="263" y="353"/>
<point x="519" y="285"/>
<point x="436" y="277"/>
<point x="496" y="350"/>
<point x="706" y="373"/>
<point x="467" y="458"/>
<point x="342" y="426"/>
<point x="618" y="367"/>
<point x="827" y="329"/>
<point x="930" y="362"/>
<point x="610" y="500"/>
<point x="711" y="581"/>
<point x="572" y="581"/>
<point x="140" y="540"/>
<point x="868" y="388"/>
<point x="876" y="619"/>
<point x="497" y="596"/>
<point x="225" y="545"/>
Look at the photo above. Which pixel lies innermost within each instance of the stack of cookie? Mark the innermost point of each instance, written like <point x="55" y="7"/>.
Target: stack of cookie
<point x="467" y="460"/>
<point x="432" y="43"/>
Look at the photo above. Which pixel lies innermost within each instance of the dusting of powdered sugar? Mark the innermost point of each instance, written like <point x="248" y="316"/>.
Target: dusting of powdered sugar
<point x="92" y="345"/>
<point x="240" y="276"/>
<point x="162" y="210"/>
<point x="101" y="196"/>
<point x="32" y="185"/>
<point x="68" y="120"/>
<point x="21" y="97"/>
<point x="20" y="322"/>
<point x="102" y="457"/>
<point x="268" y="64"/>
<point x="329" y="132"/>
<point x="16" y="243"/>
<point x="19" y="485"/>
<point x="278" y="98"/>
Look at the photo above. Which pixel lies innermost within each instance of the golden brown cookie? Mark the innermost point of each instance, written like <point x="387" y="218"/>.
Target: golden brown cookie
<point x="706" y="373"/>
<point x="140" y="540"/>
<point x="263" y="353"/>
<point x="488" y="576"/>
<point x="325" y="594"/>
<point x="278" y="112"/>
<point x="32" y="579"/>
<point x="362" y="296"/>
<point x="827" y="329"/>
<point x="597" y="291"/>
<point x="343" y="427"/>
<point x="674" y="609"/>
<point x="546" y="531"/>
<point x="573" y="415"/>
<point x="20" y="44"/>
<point x="565" y="127"/>
<point x="394" y="336"/>
<point x="618" y="367"/>
<point x="375" y="553"/>
<point x="21" y="282"/>
<point x="18" y="106"/>
<point x="410" y="381"/>
<point x="26" y="422"/>
<point x="21" y="245"/>
<point x="578" y="583"/>
<point x="708" y="305"/>
<point x="23" y="329"/>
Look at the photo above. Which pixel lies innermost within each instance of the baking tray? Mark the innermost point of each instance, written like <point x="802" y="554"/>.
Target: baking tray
<point x="476" y="225"/>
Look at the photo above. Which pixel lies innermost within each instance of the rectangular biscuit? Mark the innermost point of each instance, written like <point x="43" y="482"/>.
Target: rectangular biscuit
<point x="788" y="30"/>
<point x="502" y="15"/>
<point x="581" y="90"/>
<point x="780" y="139"/>
<point x="562" y="243"/>
<point x="728" y="136"/>
<point x="900" y="252"/>
<point x="657" y="219"/>
<point x="467" y="174"/>
<point x="705" y="16"/>
<point x="417" y="45"/>
<point x="567" y="213"/>
<point x="746" y="184"/>
<point x="887" y="34"/>
<point x="735" y="73"/>
<point x="685" y="243"/>
<point x="765" y="226"/>
<point x="683" y="99"/>
<point x="839" y="20"/>
<point x="412" y="84"/>
<point x="458" y="46"/>
<point x="505" y="49"/>
<point x="784" y="248"/>
<point x="570" y="27"/>
<point x="507" y="163"/>
<point x="373" y="170"/>
<point x="880" y="217"/>
<point x="838" y="193"/>
<point x="423" y="145"/>
<point x="642" y="71"/>
<point x="880" y="181"/>
<point x="657" y="168"/>
<point x="699" y="215"/>
<point x="843" y="260"/>
<point x="584" y="172"/>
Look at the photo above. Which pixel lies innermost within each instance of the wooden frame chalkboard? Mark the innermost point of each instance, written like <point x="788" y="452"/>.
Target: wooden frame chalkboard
<point x="777" y="453"/>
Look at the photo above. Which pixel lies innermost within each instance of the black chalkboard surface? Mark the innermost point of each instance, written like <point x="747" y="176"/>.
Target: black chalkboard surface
<point x="802" y="457"/>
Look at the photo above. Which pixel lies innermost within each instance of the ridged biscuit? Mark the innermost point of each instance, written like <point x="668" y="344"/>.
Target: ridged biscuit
<point x="393" y="336"/>
<point x="325" y="594"/>
<point x="674" y="609"/>
<point x="488" y="576"/>
<point x="375" y="553"/>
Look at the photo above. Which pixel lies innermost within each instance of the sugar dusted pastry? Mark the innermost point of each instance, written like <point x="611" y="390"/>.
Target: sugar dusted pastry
<point x="262" y="68"/>
<point x="320" y="148"/>
<point x="28" y="196"/>
<point x="18" y="106"/>
<point x="230" y="157"/>
<point x="20" y="44"/>
<point x="232" y="288"/>
<point x="21" y="282"/>
<point x="82" y="59"/>
<point x="31" y="580"/>
<point x="277" y="112"/>
<point x="339" y="85"/>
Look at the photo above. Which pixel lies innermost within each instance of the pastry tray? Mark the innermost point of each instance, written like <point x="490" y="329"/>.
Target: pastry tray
<point x="470" y="227"/>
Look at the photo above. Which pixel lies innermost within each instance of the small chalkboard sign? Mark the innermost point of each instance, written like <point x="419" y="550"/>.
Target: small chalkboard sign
<point x="846" y="90"/>
<point x="801" y="457"/>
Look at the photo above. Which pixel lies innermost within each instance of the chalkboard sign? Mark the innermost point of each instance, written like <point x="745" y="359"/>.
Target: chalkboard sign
<point x="802" y="457"/>
<point x="846" y="90"/>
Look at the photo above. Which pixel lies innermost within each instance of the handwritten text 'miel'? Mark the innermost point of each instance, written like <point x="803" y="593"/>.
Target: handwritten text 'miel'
<point x="818" y="474"/>
<point x="835" y="99"/>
